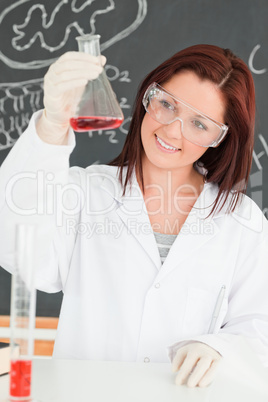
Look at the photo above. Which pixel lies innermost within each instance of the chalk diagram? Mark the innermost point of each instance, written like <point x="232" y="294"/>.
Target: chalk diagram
<point x="38" y="28"/>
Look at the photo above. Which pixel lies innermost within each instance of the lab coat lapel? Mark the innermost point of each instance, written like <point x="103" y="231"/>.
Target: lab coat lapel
<point x="132" y="211"/>
<point x="195" y="232"/>
<point x="140" y="227"/>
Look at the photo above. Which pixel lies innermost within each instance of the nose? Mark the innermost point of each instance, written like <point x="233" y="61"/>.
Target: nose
<point x="174" y="129"/>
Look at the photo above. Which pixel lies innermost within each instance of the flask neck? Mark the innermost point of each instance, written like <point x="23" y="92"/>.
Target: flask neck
<point x="89" y="44"/>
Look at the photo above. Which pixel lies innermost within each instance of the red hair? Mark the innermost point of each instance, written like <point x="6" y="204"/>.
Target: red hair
<point x="229" y="164"/>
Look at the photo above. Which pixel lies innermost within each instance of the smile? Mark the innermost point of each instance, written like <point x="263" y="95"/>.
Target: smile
<point x="165" y="145"/>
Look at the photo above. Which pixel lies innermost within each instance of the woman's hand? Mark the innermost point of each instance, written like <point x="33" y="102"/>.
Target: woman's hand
<point x="197" y="364"/>
<point x="64" y="84"/>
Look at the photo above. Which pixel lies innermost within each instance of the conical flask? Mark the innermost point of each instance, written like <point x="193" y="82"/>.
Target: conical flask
<point x="98" y="108"/>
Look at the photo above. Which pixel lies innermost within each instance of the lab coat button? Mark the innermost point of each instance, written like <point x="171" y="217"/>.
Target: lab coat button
<point x="146" y="360"/>
<point x="157" y="285"/>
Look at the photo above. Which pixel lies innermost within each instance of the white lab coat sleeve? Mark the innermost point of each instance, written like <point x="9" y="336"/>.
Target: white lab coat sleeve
<point x="247" y="314"/>
<point x="29" y="177"/>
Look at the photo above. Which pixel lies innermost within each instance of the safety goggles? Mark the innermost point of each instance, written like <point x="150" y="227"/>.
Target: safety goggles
<point x="196" y="127"/>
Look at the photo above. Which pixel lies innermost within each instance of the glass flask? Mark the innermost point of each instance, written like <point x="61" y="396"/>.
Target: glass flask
<point x="98" y="108"/>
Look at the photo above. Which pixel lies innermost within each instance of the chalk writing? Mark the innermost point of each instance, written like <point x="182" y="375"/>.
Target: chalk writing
<point x="113" y="74"/>
<point x="34" y="23"/>
<point x="250" y="61"/>
<point x="19" y="97"/>
<point x="38" y="24"/>
<point x="256" y="182"/>
<point x="257" y="157"/>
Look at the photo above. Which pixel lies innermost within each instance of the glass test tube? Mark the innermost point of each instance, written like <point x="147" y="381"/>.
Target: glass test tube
<point x="23" y="304"/>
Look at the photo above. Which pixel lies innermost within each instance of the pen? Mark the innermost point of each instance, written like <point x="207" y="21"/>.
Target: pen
<point x="217" y="310"/>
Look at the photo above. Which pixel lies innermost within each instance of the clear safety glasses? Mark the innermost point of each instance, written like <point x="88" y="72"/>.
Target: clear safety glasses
<point x="196" y="127"/>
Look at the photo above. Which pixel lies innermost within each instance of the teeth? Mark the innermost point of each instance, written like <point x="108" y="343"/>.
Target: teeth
<point x="165" y="145"/>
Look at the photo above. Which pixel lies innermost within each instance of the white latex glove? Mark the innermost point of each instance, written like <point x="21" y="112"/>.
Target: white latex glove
<point x="64" y="84"/>
<point x="197" y="364"/>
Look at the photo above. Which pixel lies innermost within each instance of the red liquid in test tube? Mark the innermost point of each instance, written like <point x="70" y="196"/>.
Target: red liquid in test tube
<point x="20" y="378"/>
<point x="87" y="123"/>
<point x="22" y="320"/>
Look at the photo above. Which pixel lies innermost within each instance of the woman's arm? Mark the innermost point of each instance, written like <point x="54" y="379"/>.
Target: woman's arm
<point x="29" y="178"/>
<point x="35" y="177"/>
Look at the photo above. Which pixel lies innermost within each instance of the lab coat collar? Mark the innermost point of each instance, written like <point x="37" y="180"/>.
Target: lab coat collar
<point x="203" y="206"/>
<point x="197" y="229"/>
<point x="132" y="211"/>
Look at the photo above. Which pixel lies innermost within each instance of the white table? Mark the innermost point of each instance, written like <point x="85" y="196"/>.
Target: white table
<point x="75" y="381"/>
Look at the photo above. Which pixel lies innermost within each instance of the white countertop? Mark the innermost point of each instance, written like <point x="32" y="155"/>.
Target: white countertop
<point x="80" y="380"/>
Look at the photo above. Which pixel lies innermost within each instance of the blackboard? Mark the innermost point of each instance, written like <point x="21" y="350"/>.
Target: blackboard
<point x="136" y="36"/>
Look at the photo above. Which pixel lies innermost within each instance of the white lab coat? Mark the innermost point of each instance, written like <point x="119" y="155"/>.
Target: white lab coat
<point x="119" y="302"/>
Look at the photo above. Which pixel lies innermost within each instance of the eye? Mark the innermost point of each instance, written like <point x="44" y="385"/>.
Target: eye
<point x="199" y="125"/>
<point x="166" y="105"/>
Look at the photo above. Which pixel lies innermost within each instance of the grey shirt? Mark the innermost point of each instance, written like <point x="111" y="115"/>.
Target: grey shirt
<point x="164" y="243"/>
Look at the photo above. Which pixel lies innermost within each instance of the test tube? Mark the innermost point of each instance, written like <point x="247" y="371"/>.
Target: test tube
<point x="23" y="305"/>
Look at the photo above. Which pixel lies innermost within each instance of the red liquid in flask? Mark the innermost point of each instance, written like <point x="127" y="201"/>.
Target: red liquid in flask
<point x="20" y="378"/>
<point x="87" y="123"/>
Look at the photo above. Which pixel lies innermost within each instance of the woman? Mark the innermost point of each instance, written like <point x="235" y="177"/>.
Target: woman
<point x="177" y="185"/>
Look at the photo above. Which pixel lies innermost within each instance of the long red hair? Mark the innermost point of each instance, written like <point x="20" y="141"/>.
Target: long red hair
<point x="229" y="164"/>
